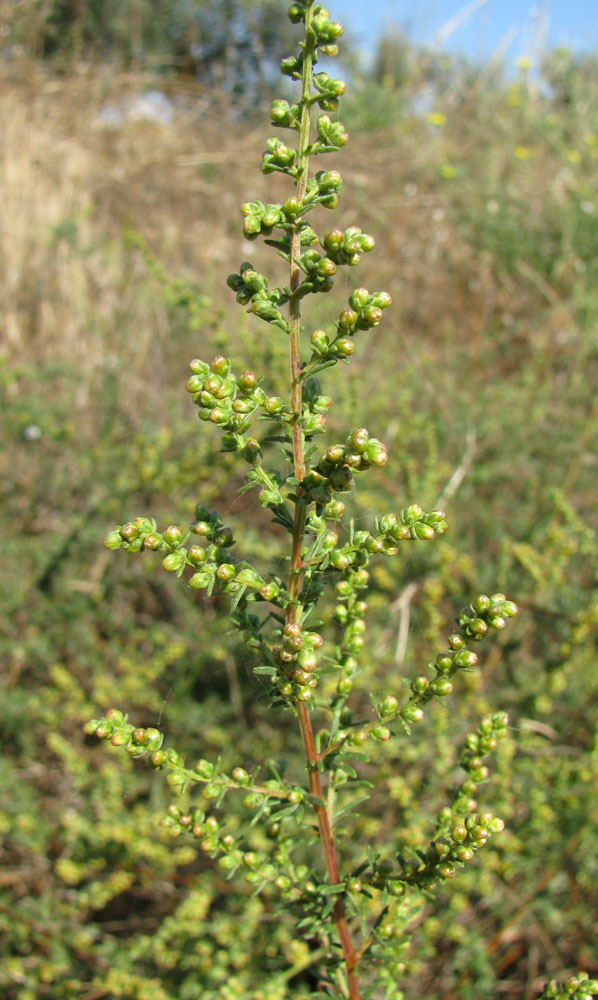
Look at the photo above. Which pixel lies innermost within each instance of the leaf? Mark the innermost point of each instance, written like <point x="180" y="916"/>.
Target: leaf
<point x="330" y="890"/>
<point x="286" y="811"/>
<point x="352" y="805"/>
<point x="264" y="670"/>
<point x="315" y="801"/>
<point x="237" y="598"/>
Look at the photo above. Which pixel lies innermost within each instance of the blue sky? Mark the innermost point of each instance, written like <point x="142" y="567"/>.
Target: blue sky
<point x="519" y="26"/>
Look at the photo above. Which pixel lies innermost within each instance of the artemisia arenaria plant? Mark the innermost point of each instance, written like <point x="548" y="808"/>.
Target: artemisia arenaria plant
<point x="355" y="916"/>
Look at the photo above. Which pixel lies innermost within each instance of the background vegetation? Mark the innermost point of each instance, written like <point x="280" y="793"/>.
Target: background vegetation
<point x="485" y="215"/>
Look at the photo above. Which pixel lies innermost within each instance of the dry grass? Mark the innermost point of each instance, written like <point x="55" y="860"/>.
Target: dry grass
<point x="64" y="174"/>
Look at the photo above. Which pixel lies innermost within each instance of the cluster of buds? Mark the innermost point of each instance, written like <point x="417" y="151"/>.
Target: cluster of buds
<point x="423" y="690"/>
<point x="296" y="662"/>
<point x="458" y="656"/>
<point x="319" y="272"/>
<point x="142" y="534"/>
<point x="210" y="562"/>
<point x="273" y="799"/>
<point x="578" y="987"/>
<point x="279" y="156"/>
<point x="285" y="115"/>
<point x="334" y="471"/>
<point x="137" y="742"/>
<point x="326" y="33"/>
<point x="466" y="836"/>
<point x="412" y="523"/>
<point x="260" y="219"/>
<point x="331" y="136"/>
<point x="252" y="287"/>
<point x="328" y="91"/>
<point x="462" y="828"/>
<point x="364" y="312"/>
<point x="486" y="612"/>
<point x="229" y="402"/>
<point x="221" y="397"/>
<point x="348" y="247"/>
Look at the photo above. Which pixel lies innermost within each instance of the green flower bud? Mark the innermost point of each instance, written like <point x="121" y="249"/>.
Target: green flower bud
<point x="411" y="713"/>
<point x="420" y="684"/>
<point x="296" y="13"/>
<point x="153" y="541"/>
<point x="388" y="706"/>
<point x="225" y="572"/>
<point x="343" y="348"/>
<point x="464" y="658"/>
<point x="333" y="241"/>
<point x="423" y="531"/>
<point x="376" y="453"/>
<point x="347" y="319"/>
<point x="200" y="580"/>
<point x="326" y="267"/>
<point x="329" y="180"/>
<point x="381" y="733"/>
<point x="200" y="367"/>
<point x="249" y="578"/>
<point x="252" y="227"/>
<point x="113" y="540"/>
<point x="174" y="562"/>
<point x="441" y="686"/>
<point x="129" y="531"/>
<point x="292" y="207"/>
<point x="273" y="405"/>
<point x="409" y="515"/>
<point x="341" y="561"/>
<point x="173" y="536"/>
<point x="372" y="315"/>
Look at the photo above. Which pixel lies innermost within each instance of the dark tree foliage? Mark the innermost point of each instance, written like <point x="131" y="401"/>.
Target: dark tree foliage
<point x="232" y="43"/>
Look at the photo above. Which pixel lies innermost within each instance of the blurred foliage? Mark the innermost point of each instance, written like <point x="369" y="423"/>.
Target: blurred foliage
<point x="486" y="386"/>
<point x="232" y="43"/>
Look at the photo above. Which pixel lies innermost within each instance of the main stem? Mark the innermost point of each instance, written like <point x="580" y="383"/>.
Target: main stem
<point x="311" y="756"/>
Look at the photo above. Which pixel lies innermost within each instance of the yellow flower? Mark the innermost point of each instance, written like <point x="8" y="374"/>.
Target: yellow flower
<point x="436" y="118"/>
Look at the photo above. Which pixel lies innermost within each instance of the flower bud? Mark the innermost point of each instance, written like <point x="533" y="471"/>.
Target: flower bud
<point x="225" y="572"/>
<point x="173" y="536"/>
<point x="441" y="686"/>
<point x="173" y="562"/>
<point x="465" y="658"/>
<point x="333" y="241"/>
<point x="411" y="713"/>
<point x="113" y="540"/>
<point x="292" y="207"/>
<point x="273" y="405"/>
<point x="252" y="227"/>
<point x="423" y="531"/>
<point x="200" y="580"/>
<point x="381" y="733"/>
<point x="129" y="531"/>
<point x="409" y="515"/>
<point x="376" y="453"/>
<point x="249" y="578"/>
<point x="388" y="706"/>
<point x="347" y="319"/>
<point x="343" y="348"/>
<point x="296" y="13"/>
<point x="420" y="684"/>
<point x="200" y="367"/>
